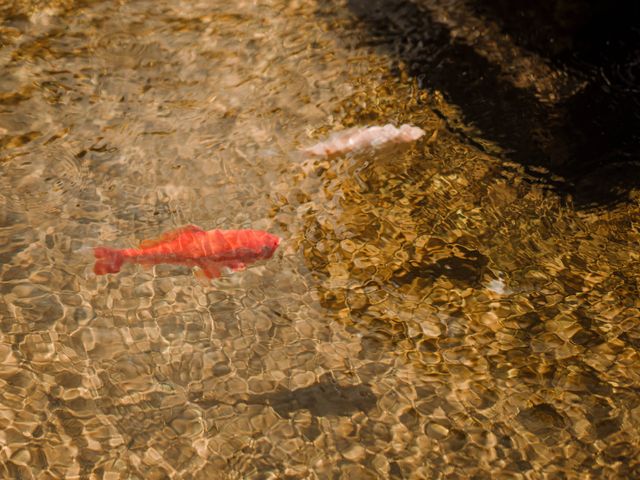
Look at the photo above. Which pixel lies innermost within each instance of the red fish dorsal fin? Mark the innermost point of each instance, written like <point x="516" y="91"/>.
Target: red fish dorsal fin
<point x="170" y="235"/>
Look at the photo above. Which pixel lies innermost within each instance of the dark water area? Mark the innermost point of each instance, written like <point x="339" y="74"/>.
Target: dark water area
<point x="573" y="122"/>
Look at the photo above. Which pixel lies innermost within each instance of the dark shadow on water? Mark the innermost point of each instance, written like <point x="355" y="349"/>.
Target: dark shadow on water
<point x="324" y="398"/>
<point x="589" y="137"/>
<point x="321" y="399"/>
<point x="464" y="271"/>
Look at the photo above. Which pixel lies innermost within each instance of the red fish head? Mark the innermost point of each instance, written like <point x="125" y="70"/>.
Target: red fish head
<point x="269" y="245"/>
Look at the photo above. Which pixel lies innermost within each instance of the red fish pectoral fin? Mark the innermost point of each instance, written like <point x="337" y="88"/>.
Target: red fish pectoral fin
<point x="210" y="270"/>
<point x="146" y="266"/>
<point x="202" y="278"/>
<point x="236" y="266"/>
<point x="170" y="235"/>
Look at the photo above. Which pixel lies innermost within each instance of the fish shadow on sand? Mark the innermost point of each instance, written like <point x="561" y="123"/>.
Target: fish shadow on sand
<point x="465" y="270"/>
<point x="322" y="399"/>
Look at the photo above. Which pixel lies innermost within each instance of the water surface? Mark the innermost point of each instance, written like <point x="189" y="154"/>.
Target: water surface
<point x="434" y="311"/>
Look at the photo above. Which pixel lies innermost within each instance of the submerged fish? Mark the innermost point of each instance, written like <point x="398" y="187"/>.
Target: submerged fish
<point x="361" y="138"/>
<point x="191" y="246"/>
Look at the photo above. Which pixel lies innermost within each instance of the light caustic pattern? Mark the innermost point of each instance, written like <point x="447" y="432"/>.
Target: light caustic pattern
<point x="430" y="312"/>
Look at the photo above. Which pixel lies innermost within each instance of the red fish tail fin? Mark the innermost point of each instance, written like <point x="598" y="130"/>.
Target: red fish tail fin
<point x="108" y="260"/>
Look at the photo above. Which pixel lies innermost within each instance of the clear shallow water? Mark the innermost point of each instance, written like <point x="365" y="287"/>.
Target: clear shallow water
<point x="433" y="312"/>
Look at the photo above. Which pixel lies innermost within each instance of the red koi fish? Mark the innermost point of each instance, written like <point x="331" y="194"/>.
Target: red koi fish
<point x="210" y="250"/>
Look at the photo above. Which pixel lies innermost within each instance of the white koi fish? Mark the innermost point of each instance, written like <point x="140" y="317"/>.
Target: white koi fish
<point x="366" y="137"/>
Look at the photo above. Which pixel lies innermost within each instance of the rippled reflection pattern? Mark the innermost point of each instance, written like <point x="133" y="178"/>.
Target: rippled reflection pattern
<point x="432" y="313"/>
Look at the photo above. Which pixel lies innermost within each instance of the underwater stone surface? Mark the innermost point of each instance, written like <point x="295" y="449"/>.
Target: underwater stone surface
<point x="432" y="313"/>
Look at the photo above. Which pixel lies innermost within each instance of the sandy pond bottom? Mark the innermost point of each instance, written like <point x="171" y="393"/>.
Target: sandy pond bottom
<point x="432" y="313"/>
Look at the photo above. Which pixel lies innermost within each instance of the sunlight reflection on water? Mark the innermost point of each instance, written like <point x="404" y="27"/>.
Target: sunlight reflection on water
<point x="431" y="312"/>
